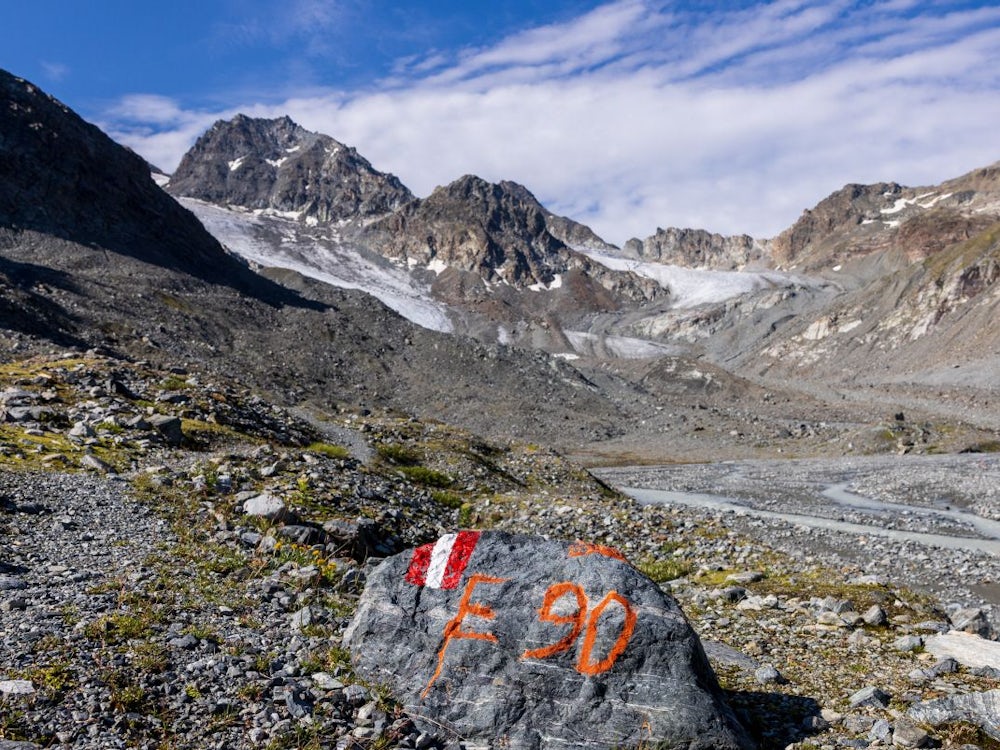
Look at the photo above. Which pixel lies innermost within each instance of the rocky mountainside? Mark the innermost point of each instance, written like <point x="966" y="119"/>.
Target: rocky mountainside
<point x="696" y="248"/>
<point x="62" y="177"/>
<point x="917" y="270"/>
<point x="912" y="223"/>
<point x="927" y="323"/>
<point x="93" y="253"/>
<point x="280" y="166"/>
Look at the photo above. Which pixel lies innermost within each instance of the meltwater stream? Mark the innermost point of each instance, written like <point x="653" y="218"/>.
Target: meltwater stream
<point x="930" y="522"/>
<point x="717" y="502"/>
<point x="825" y="481"/>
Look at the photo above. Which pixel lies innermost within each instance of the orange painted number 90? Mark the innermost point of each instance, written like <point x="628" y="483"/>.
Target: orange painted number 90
<point x="580" y="622"/>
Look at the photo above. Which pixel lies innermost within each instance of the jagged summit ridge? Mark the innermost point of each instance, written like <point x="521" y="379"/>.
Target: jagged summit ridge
<point x="499" y="232"/>
<point x="474" y="225"/>
<point x="280" y="166"/>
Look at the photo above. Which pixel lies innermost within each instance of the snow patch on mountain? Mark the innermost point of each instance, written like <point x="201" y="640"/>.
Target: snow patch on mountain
<point x="541" y="286"/>
<point x="691" y="287"/>
<point x="278" y="242"/>
<point x="898" y="206"/>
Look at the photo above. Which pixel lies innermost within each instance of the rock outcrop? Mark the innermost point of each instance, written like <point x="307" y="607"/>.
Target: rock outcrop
<point x="696" y="248"/>
<point x="514" y="641"/>
<point x="979" y="709"/>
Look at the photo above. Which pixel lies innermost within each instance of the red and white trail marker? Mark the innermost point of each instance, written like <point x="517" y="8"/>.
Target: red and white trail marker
<point x="440" y="565"/>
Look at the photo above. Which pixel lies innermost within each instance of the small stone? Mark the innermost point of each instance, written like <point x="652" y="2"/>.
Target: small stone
<point x="251" y="538"/>
<point x="326" y="681"/>
<point x="80" y="430"/>
<point x="297" y="707"/>
<point x="908" y="643"/>
<point x="768" y="675"/>
<point x="827" y="617"/>
<point x="881" y="730"/>
<point x="730" y="594"/>
<point x="301" y="619"/>
<point x="857" y="723"/>
<point x="365" y="713"/>
<point x="972" y="620"/>
<point x="186" y="642"/>
<point x="907" y="734"/>
<point x="919" y="676"/>
<point x="266" y="506"/>
<point x="169" y="427"/>
<point x="838" y="606"/>
<point x="830" y="716"/>
<point x="944" y="666"/>
<point x="16" y="687"/>
<point x="869" y="696"/>
<point x="815" y="723"/>
<point x="93" y="462"/>
<point x="356" y="695"/>
<point x="875" y="616"/>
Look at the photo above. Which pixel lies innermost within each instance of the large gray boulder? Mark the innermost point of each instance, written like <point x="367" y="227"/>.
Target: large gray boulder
<point x="510" y="640"/>
<point x="979" y="709"/>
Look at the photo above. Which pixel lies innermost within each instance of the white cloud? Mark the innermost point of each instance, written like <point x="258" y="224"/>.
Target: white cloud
<point x="632" y="117"/>
<point x="156" y="127"/>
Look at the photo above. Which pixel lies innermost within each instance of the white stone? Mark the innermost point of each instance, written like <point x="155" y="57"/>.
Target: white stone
<point x="266" y="505"/>
<point x="16" y="687"/>
<point x="967" y="649"/>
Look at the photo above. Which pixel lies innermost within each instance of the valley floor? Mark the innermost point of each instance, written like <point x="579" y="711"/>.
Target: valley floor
<point x="141" y="605"/>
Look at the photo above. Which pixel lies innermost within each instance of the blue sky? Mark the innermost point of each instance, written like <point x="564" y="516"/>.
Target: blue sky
<point x="627" y="115"/>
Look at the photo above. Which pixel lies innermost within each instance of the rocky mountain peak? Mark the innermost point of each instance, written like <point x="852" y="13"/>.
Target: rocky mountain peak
<point x="837" y="215"/>
<point x="495" y="229"/>
<point x="276" y="165"/>
<point x="494" y="247"/>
